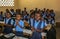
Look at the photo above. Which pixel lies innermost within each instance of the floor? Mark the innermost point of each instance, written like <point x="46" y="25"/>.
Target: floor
<point x="58" y="32"/>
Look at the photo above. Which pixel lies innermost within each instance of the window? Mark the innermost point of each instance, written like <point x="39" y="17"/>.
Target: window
<point x="6" y="2"/>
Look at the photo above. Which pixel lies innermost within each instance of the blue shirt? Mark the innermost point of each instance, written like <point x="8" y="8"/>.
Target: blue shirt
<point x="31" y="21"/>
<point x="26" y="17"/>
<point x="44" y="15"/>
<point x="42" y="24"/>
<point x="21" y="23"/>
<point x="7" y="20"/>
<point x="52" y="14"/>
<point x="1" y="17"/>
<point x="51" y="21"/>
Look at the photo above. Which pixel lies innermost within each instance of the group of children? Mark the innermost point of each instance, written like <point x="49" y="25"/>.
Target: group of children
<point x="38" y="20"/>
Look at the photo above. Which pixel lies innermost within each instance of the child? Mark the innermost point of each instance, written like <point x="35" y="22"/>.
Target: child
<point x="12" y="12"/>
<point x="49" y="20"/>
<point x="52" y="14"/>
<point x="51" y="32"/>
<point x="38" y="26"/>
<point x="31" y="20"/>
<point x="19" y="25"/>
<point x="8" y="23"/>
<point x="1" y="16"/>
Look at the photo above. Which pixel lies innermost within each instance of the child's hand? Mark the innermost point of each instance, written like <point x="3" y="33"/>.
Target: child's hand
<point x="32" y="29"/>
<point x="17" y="23"/>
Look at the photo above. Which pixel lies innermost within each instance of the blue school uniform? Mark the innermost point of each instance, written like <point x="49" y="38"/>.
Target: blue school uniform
<point x="53" y="16"/>
<point x="50" y="21"/>
<point x="19" y="30"/>
<point x="38" y="25"/>
<point x="31" y="21"/>
<point x="9" y="21"/>
<point x="1" y="17"/>
<point x="26" y="16"/>
<point x="44" y="15"/>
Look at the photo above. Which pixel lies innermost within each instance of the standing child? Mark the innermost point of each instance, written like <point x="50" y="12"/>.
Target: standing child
<point x="38" y="26"/>
<point x="19" y="25"/>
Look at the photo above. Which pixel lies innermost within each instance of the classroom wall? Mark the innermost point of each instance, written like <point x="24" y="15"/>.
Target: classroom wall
<point x="14" y="7"/>
<point x="50" y="4"/>
<point x="31" y="4"/>
<point x="54" y="4"/>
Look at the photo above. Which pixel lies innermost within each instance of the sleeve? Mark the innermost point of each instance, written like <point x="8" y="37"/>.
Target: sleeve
<point x="53" y="22"/>
<point x="15" y="24"/>
<point x="22" y="24"/>
<point x="12" y="22"/>
<point x="43" y="25"/>
<point x="4" y="20"/>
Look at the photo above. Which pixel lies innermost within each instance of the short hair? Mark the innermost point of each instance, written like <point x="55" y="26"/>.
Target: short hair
<point x="9" y="13"/>
<point x="19" y="14"/>
<point x="38" y="13"/>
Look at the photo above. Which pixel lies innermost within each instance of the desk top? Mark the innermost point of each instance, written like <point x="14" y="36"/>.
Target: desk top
<point x="1" y="21"/>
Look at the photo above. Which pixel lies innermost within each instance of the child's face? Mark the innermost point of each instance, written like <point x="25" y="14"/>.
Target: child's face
<point x="37" y="16"/>
<point x="32" y="16"/>
<point x="49" y="17"/>
<point x="18" y="17"/>
<point x="8" y="15"/>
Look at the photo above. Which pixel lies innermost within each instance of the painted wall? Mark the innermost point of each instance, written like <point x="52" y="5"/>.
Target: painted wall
<point x="51" y="4"/>
<point x="31" y="4"/>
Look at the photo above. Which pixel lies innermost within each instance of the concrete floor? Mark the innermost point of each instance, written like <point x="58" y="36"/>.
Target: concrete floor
<point x="58" y="32"/>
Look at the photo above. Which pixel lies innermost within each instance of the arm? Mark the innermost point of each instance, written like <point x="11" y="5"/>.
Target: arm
<point x="10" y="25"/>
<point x="32" y="28"/>
<point x="21" y="25"/>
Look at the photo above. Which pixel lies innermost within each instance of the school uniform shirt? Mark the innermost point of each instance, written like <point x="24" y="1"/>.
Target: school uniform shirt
<point x="52" y="14"/>
<point x="12" y="13"/>
<point x="38" y="25"/>
<point x="26" y="16"/>
<point x="50" y="21"/>
<point x="1" y="17"/>
<point x="17" y="28"/>
<point x="7" y="20"/>
<point x="43" y="24"/>
<point x="44" y="15"/>
<point x="31" y="21"/>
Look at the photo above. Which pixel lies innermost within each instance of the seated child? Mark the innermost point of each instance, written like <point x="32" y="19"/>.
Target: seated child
<point x="8" y="23"/>
<point x="49" y="20"/>
<point x="19" y="25"/>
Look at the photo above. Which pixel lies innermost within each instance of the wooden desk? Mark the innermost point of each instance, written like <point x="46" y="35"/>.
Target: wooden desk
<point x="26" y="32"/>
<point x="2" y="25"/>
